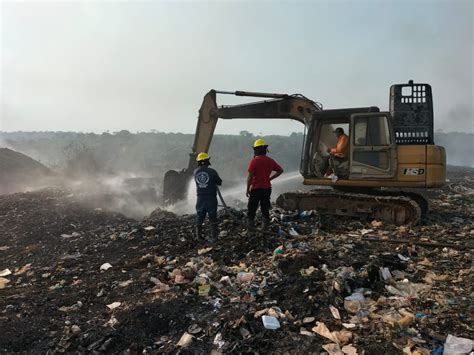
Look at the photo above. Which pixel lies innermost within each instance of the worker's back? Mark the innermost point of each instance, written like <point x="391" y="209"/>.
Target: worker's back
<point x="262" y="166"/>
<point x="206" y="180"/>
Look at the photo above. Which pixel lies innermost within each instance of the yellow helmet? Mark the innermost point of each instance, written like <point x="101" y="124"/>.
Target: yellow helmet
<point x="202" y="156"/>
<point x="260" y="143"/>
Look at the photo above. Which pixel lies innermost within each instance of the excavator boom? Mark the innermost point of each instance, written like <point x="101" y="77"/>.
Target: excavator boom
<point x="279" y="106"/>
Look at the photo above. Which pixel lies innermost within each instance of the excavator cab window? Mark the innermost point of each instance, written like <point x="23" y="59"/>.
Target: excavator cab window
<point x="323" y="138"/>
<point x="372" y="131"/>
<point x="373" y="147"/>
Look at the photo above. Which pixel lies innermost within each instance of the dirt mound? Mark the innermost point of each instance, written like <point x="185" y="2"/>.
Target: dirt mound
<point x="160" y="215"/>
<point x="19" y="172"/>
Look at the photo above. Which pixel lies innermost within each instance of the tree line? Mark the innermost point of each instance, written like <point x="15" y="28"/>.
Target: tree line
<point x="153" y="153"/>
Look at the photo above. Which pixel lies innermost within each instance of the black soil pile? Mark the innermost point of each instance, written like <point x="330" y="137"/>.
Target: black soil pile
<point x="20" y="172"/>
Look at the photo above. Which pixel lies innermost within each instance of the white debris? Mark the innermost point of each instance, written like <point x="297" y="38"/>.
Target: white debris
<point x="457" y="345"/>
<point x="186" y="340"/>
<point x="270" y="322"/>
<point x="105" y="267"/>
<point x="114" y="305"/>
<point x="5" y="272"/>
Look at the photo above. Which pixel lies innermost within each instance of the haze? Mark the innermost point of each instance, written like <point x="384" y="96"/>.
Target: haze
<point x="140" y="66"/>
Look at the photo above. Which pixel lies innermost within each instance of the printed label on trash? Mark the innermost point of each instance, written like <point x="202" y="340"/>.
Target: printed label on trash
<point x="204" y="290"/>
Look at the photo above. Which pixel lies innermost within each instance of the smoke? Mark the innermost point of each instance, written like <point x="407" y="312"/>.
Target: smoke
<point x="461" y="116"/>
<point x="234" y="196"/>
<point x="3" y="143"/>
<point x="111" y="172"/>
<point x="10" y="185"/>
<point x="458" y="146"/>
<point x="133" y="196"/>
<point x="188" y="205"/>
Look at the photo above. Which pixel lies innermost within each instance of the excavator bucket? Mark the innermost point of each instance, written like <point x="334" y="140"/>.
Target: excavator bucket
<point x="175" y="186"/>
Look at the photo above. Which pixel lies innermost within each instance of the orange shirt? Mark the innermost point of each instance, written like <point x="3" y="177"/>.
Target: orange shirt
<point x="341" y="146"/>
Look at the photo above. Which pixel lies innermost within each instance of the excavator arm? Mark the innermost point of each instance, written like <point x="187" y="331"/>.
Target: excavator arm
<point x="277" y="106"/>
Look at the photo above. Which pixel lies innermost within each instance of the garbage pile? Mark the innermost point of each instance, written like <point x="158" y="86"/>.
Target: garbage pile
<point x="75" y="279"/>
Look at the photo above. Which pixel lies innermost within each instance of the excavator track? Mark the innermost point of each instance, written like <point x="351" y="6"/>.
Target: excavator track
<point x="401" y="209"/>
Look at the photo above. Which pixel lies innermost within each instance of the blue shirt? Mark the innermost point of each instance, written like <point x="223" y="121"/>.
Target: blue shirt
<point x="206" y="180"/>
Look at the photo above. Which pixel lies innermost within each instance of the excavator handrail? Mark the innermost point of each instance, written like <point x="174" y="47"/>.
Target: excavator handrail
<point x="264" y="94"/>
<point x="251" y="94"/>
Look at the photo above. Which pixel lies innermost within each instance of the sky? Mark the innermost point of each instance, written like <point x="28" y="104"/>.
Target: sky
<point x="95" y="66"/>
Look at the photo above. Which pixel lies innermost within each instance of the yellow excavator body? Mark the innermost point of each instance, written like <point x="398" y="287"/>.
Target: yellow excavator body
<point x="387" y="152"/>
<point x="418" y="166"/>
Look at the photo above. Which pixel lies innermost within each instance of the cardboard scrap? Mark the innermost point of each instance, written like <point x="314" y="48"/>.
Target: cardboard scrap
<point x="3" y="282"/>
<point x="338" y="337"/>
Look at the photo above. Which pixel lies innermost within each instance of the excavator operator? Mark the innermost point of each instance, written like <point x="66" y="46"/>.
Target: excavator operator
<point x="259" y="187"/>
<point x="339" y="152"/>
<point x="206" y="180"/>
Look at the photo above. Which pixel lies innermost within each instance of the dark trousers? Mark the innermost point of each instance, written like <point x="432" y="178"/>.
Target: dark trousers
<point x="325" y="163"/>
<point x="206" y="205"/>
<point x="262" y="197"/>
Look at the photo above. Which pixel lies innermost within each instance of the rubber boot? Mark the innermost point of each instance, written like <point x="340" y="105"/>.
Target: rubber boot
<point x="251" y="227"/>
<point x="199" y="231"/>
<point x="265" y="223"/>
<point x="214" y="231"/>
<point x="250" y="223"/>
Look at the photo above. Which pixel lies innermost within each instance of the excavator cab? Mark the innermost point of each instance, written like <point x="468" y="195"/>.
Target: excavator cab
<point x="321" y="136"/>
<point x="371" y="150"/>
<point x="386" y="149"/>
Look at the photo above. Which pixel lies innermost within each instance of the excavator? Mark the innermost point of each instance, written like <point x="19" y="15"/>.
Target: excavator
<point x="389" y="153"/>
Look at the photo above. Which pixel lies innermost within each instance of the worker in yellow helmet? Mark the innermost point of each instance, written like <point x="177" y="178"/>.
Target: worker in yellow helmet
<point x="206" y="180"/>
<point x="259" y="187"/>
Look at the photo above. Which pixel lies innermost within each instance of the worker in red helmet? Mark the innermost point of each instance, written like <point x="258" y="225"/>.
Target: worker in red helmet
<point x="259" y="187"/>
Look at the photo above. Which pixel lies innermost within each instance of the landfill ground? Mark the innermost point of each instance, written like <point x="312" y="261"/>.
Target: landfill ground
<point x="395" y="289"/>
